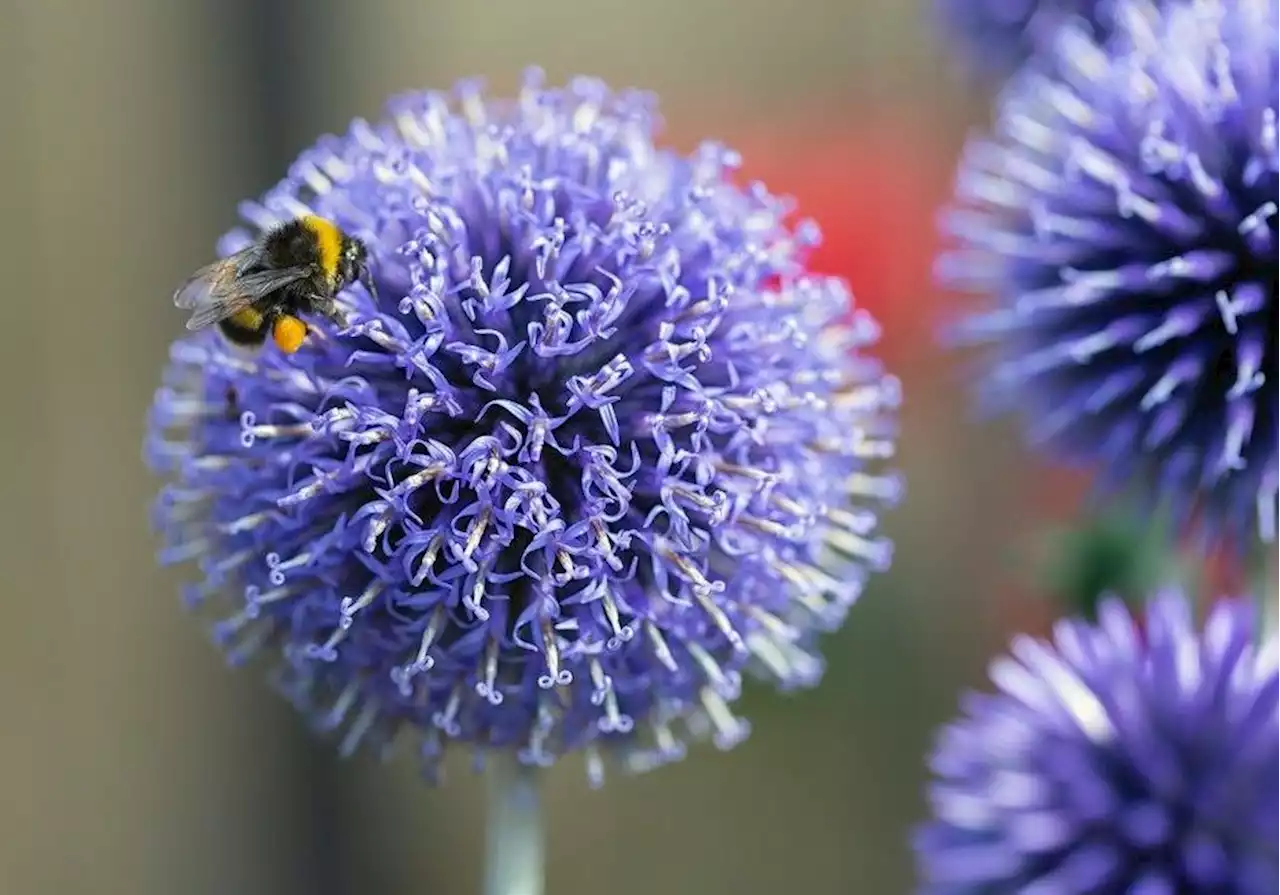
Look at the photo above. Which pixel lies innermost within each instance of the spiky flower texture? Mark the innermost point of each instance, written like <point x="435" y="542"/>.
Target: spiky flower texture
<point x="995" y="37"/>
<point x="598" y="447"/>
<point x="1124" y="217"/>
<point x="1127" y="757"/>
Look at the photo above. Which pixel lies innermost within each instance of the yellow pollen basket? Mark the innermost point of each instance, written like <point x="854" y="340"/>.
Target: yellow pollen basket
<point x="288" y="334"/>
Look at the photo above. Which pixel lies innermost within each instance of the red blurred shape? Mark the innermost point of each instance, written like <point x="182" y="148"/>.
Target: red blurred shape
<point x="874" y="187"/>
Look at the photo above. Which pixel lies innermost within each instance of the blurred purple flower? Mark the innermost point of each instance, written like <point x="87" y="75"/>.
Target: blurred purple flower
<point x="599" y="446"/>
<point x="1115" y="760"/>
<point x="1124" y="217"/>
<point x="994" y="37"/>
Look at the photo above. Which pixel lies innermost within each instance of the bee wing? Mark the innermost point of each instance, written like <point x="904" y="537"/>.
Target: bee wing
<point x="219" y="290"/>
<point x="216" y="279"/>
<point x="214" y="311"/>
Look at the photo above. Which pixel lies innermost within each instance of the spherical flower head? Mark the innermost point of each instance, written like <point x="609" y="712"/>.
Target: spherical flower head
<point x="1125" y="757"/>
<point x="1124" y="218"/>
<point x="995" y="37"/>
<point x="596" y="447"/>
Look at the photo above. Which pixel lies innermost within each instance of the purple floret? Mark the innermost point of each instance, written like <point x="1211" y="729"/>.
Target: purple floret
<point x="599" y="446"/>
<point x="995" y="37"/>
<point x="1124" y="218"/>
<point x="1122" y="757"/>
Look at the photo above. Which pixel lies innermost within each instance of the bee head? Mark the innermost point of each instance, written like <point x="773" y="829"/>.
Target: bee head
<point x="354" y="264"/>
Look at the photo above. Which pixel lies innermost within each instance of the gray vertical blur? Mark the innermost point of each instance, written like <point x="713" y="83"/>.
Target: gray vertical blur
<point x="131" y="763"/>
<point x="130" y="760"/>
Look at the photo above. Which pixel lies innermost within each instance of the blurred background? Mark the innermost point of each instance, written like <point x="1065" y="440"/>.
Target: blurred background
<point x="132" y="761"/>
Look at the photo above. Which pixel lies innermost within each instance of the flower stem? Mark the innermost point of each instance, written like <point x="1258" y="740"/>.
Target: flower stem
<point x="514" y="850"/>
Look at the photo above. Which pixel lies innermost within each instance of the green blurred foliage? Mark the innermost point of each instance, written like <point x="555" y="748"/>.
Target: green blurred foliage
<point x="1118" y="552"/>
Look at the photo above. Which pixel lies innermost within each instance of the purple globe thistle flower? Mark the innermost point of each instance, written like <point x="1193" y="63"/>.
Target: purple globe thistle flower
<point x="1124" y="217"/>
<point x="1120" y="758"/>
<point x="995" y="37"/>
<point x="598" y="447"/>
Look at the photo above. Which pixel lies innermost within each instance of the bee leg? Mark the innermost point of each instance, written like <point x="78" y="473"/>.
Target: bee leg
<point x="329" y="310"/>
<point x="337" y="316"/>
<point x="366" y="279"/>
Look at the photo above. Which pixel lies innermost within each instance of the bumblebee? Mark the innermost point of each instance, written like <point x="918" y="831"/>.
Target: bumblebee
<point x="295" y="269"/>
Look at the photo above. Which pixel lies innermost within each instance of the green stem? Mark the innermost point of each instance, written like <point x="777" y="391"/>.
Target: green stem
<point x="514" y="851"/>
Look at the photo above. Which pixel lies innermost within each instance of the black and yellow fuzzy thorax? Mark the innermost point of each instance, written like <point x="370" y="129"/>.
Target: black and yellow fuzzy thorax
<point x="315" y="248"/>
<point x="306" y="242"/>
